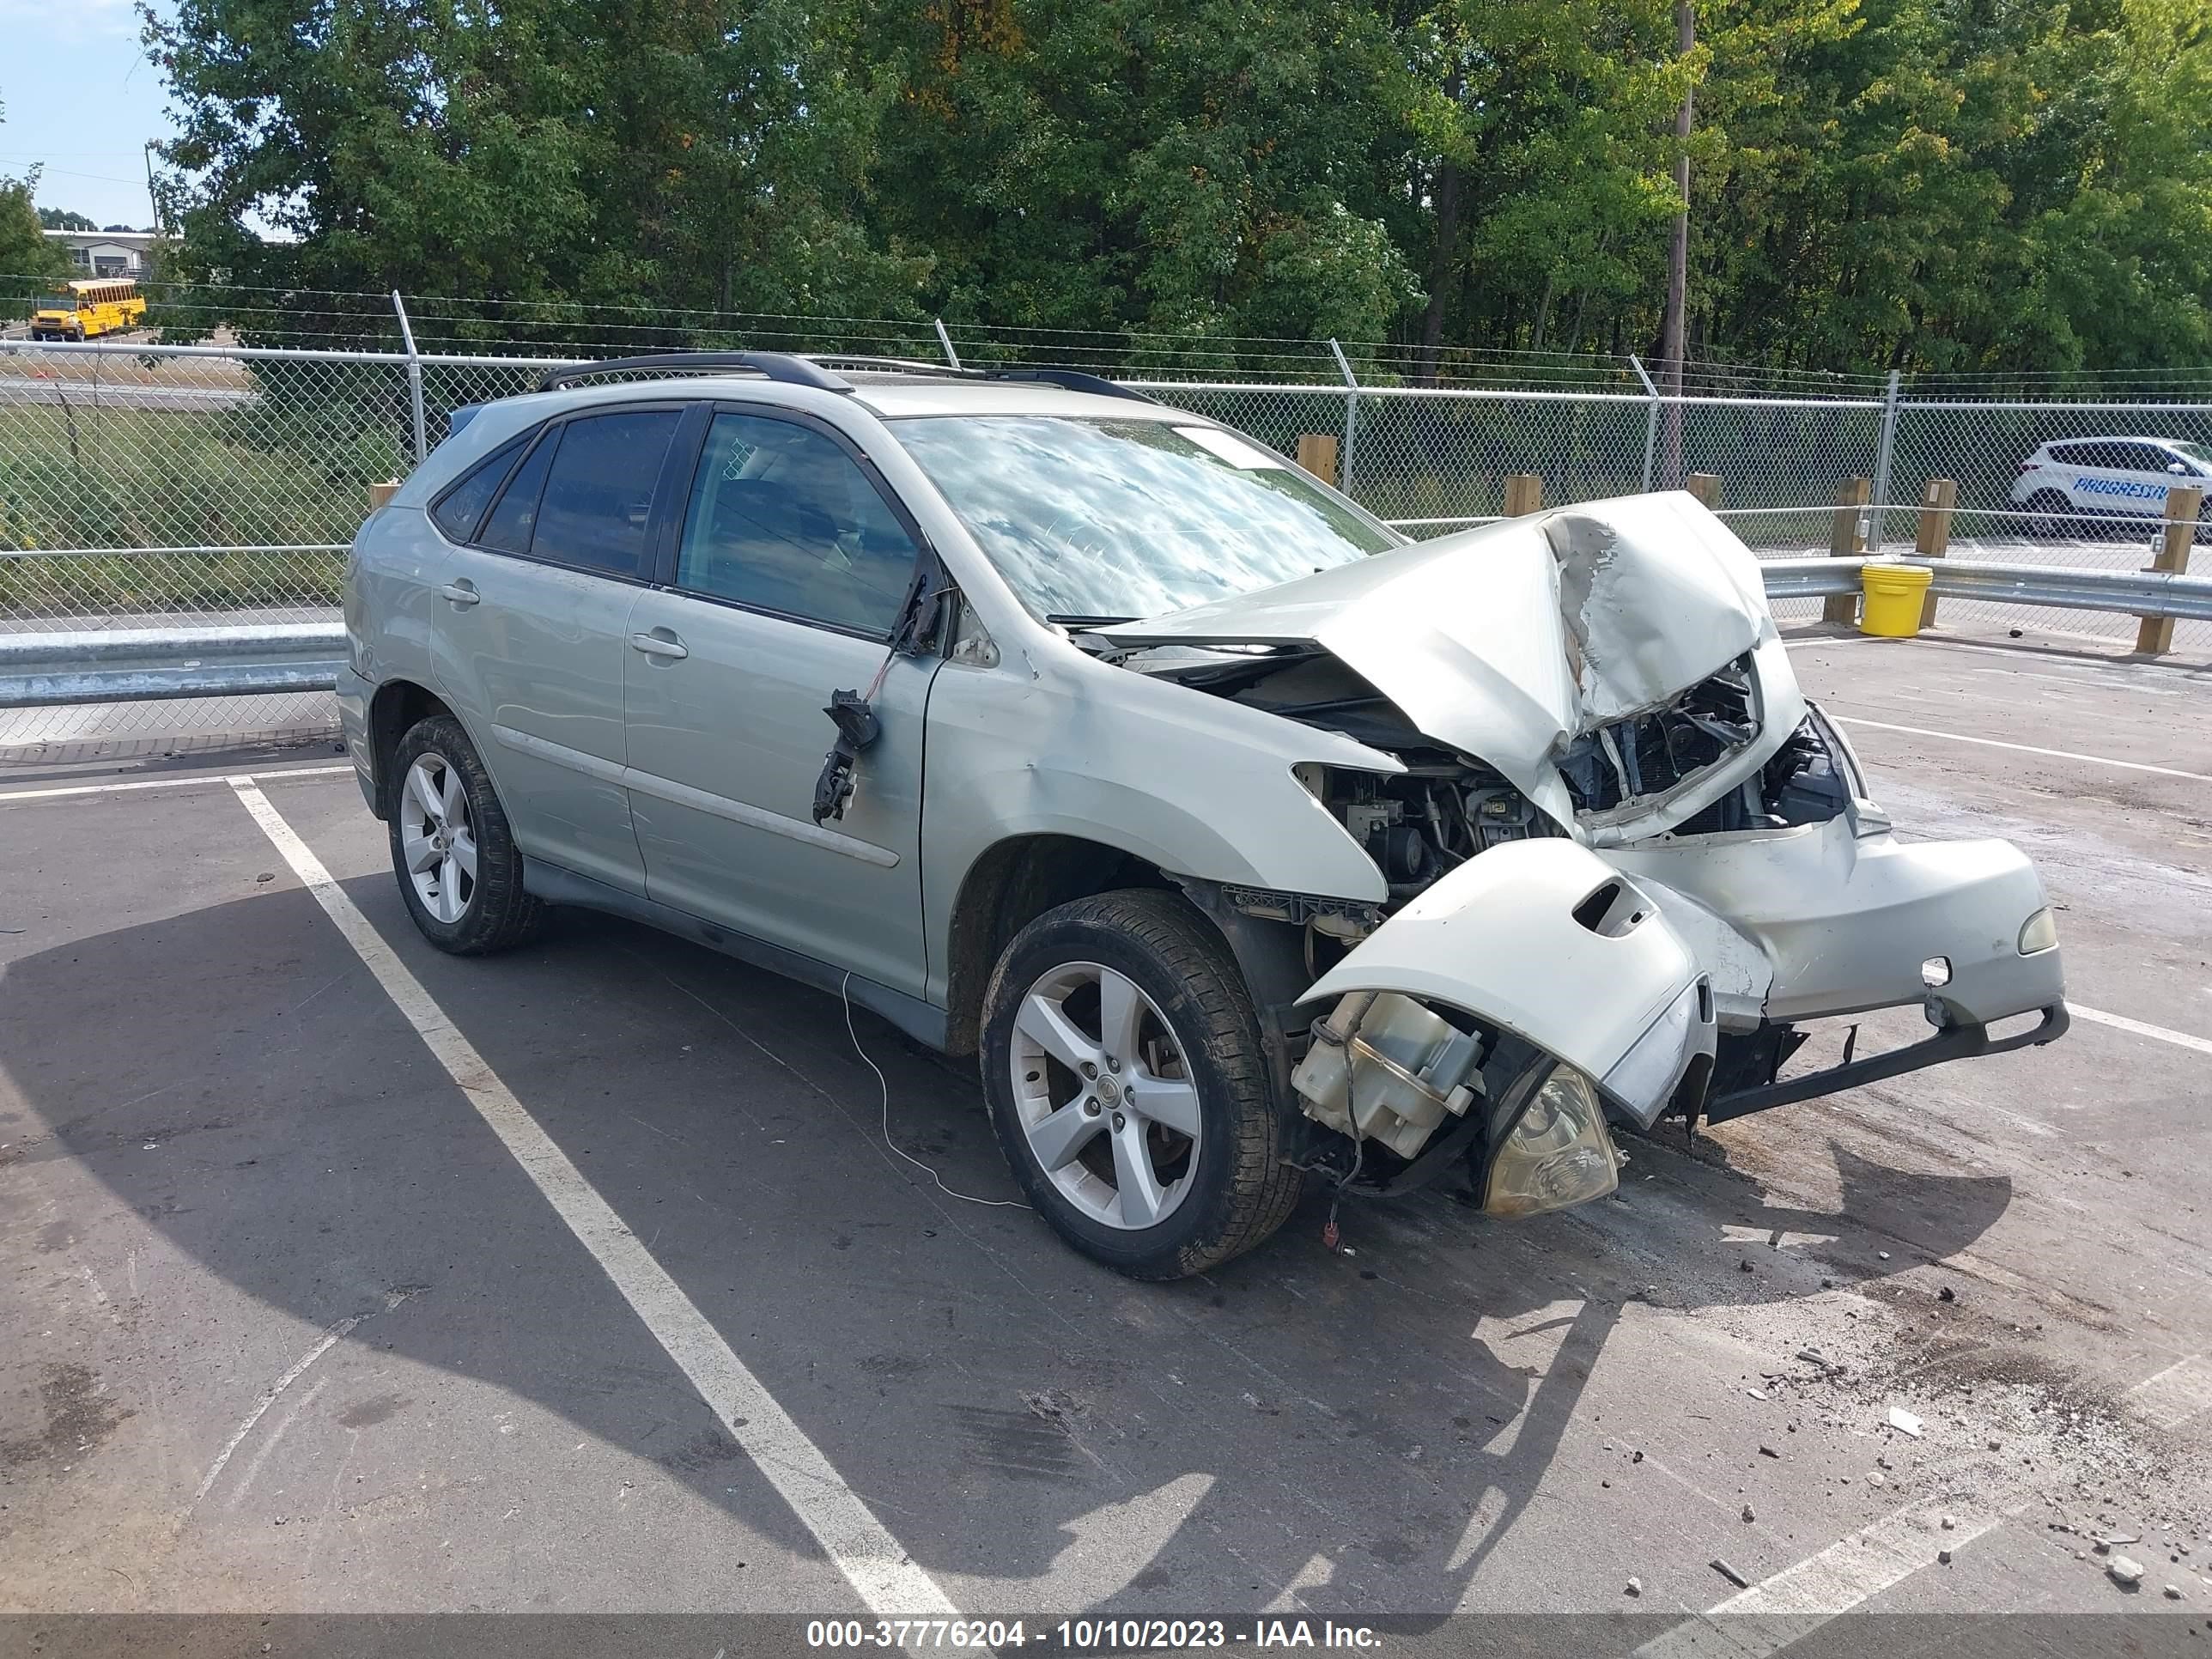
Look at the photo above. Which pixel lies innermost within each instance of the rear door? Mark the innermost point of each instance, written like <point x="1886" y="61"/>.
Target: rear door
<point x="791" y="566"/>
<point x="2144" y="478"/>
<point x="534" y="642"/>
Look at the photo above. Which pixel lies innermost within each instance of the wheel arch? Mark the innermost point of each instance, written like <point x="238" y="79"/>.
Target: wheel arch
<point x="1018" y="879"/>
<point x="1010" y="884"/>
<point x="396" y="708"/>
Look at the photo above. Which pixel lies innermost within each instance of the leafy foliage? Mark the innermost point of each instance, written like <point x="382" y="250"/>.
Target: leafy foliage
<point x="1934" y="184"/>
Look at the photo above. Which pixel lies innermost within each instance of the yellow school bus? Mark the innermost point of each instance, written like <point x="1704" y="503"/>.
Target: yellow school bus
<point x="86" y="310"/>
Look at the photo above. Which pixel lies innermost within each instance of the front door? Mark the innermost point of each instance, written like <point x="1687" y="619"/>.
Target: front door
<point x="790" y="569"/>
<point x="533" y="651"/>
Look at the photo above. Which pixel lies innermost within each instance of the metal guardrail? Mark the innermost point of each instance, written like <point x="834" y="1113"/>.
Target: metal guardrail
<point x="2130" y="592"/>
<point x="130" y="664"/>
<point x="150" y="664"/>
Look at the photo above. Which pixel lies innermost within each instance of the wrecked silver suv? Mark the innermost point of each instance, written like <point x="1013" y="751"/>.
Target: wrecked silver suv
<point x="1246" y="843"/>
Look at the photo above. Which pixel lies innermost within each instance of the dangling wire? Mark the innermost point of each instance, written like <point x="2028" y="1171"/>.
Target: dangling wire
<point x="844" y="992"/>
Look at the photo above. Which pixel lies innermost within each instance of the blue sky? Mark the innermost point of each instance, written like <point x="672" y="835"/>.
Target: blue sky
<point x="81" y="99"/>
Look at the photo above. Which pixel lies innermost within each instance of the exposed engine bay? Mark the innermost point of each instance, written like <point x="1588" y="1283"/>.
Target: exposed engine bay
<point x="1402" y="1079"/>
<point x="1613" y="859"/>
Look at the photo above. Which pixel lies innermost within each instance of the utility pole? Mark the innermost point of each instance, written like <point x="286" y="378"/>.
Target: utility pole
<point x="153" y="200"/>
<point x="1678" y="251"/>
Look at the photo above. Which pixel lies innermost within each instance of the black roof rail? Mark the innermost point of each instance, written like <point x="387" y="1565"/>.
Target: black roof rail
<point x="906" y="365"/>
<point x="1071" y="379"/>
<point x="775" y="365"/>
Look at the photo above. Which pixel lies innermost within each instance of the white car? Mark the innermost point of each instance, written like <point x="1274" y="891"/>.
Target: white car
<point x="2106" y="477"/>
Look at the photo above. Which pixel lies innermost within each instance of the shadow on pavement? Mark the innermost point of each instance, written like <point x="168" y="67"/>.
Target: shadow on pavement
<point x="235" y="1079"/>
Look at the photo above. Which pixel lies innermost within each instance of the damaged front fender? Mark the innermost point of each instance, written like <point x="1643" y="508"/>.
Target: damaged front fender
<point x="1545" y="940"/>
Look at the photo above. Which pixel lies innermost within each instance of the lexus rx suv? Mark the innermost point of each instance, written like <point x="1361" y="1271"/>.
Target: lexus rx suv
<point x="1243" y="843"/>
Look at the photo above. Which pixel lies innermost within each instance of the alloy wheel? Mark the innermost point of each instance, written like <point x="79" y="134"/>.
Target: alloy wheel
<point x="1105" y="1095"/>
<point x="436" y="838"/>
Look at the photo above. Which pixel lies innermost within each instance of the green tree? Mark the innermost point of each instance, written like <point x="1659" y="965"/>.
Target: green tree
<point x="30" y="262"/>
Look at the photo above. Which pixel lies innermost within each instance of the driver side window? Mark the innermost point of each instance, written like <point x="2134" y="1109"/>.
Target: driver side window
<point x="782" y="519"/>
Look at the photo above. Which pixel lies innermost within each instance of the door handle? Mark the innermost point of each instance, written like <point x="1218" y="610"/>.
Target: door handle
<point x="460" y="593"/>
<point x="663" y="645"/>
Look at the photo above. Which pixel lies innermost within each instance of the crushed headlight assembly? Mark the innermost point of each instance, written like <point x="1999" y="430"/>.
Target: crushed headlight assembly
<point x="2039" y="932"/>
<point x="1558" y="1154"/>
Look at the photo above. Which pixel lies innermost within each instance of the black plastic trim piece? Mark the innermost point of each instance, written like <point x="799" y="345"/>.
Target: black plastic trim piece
<point x="1955" y="1042"/>
<point x="1070" y="379"/>
<point x="772" y="365"/>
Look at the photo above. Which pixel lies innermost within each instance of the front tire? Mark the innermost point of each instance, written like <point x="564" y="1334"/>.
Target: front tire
<point x="459" y="871"/>
<point x="1128" y="1089"/>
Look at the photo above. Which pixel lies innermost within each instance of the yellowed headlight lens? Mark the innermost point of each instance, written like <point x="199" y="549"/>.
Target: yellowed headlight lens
<point x="2039" y="932"/>
<point x="1559" y="1154"/>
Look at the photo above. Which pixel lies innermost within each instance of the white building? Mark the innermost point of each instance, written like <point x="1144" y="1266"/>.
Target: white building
<point x="106" y="252"/>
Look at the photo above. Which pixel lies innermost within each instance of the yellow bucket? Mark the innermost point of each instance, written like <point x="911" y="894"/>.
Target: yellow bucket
<point x="1894" y="597"/>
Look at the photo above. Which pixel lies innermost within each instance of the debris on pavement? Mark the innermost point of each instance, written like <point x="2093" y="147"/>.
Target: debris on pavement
<point x="1635" y="1587"/>
<point x="1729" y="1573"/>
<point x="1904" y="1421"/>
<point x="2124" y="1569"/>
<point x="1747" y="1514"/>
<point x="1943" y="1558"/>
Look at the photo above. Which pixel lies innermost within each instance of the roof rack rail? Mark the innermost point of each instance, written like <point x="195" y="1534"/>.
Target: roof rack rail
<point x="773" y="365"/>
<point x="1071" y="379"/>
<point x="908" y="365"/>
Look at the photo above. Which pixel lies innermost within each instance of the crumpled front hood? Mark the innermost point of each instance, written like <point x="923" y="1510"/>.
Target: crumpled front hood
<point x="1507" y="640"/>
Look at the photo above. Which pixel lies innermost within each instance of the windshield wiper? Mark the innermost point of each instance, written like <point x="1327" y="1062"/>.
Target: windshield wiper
<point x="1068" y="619"/>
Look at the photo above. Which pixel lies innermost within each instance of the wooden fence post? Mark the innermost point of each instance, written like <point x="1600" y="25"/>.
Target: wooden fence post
<point x="1707" y="487"/>
<point x="2155" y="634"/>
<point x="1846" y="540"/>
<point x="1317" y="454"/>
<point x="1932" y="540"/>
<point x="1524" y="494"/>
<point x="379" y="494"/>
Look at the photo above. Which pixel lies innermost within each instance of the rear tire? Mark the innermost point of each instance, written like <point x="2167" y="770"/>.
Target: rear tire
<point x="1188" y="1047"/>
<point x="2049" y="530"/>
<point x="458" y="870"/>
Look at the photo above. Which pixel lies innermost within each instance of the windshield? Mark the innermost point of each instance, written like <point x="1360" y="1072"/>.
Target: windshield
<point x="1100" y="519"/>
<point x="57" y="302"/>
<point x="2197" y="453"/>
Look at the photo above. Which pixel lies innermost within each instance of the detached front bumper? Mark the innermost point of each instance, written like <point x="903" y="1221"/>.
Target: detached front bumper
<point x="1821" y="922"/>
<point x="1639" y="966"/>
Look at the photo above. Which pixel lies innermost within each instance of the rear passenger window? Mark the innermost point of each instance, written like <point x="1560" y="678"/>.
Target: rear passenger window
<point x="2071" y="455"/>
<point x="512" y="521"/>
<point x="461" y="509"/>
<point x="599" y="490"/>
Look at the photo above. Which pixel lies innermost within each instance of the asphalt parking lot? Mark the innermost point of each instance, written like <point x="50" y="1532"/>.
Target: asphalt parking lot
<point x="291" y="1321"/>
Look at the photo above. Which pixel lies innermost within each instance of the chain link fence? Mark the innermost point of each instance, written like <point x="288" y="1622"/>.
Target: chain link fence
<point x="145" y="483"/>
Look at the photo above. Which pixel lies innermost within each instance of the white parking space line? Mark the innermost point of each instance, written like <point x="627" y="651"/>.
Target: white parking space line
<point x="2121" y="1022"/>
<point x="2023" y="748"/>
<point x="164" y="783"/>
<point x="1799" y="1600"/>
<point x="861" y="1547"/>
